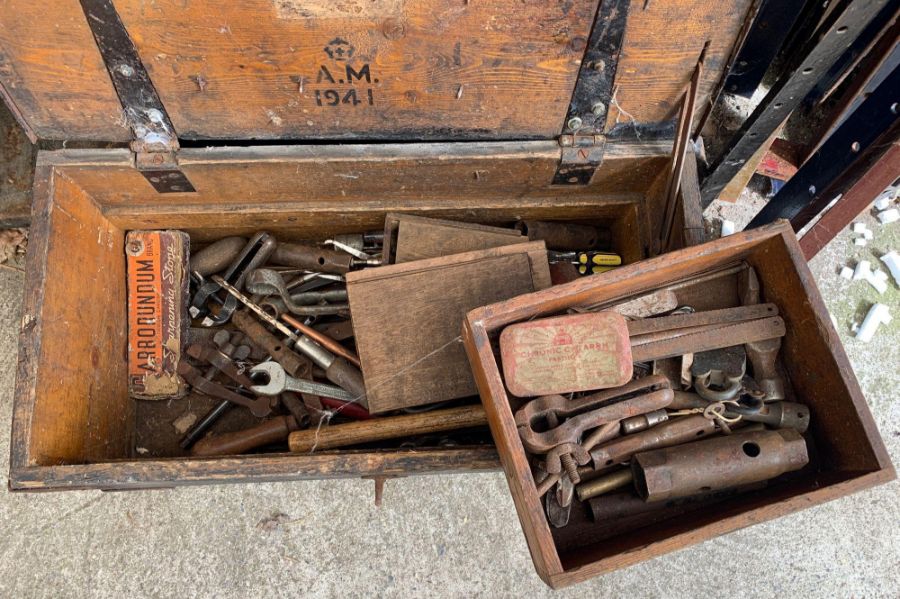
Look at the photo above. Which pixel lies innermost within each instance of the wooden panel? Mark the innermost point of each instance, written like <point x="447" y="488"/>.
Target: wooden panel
<point x="417" y="68"/>
<point x="662" y="42"/>
<point x="407" y="319"/>
<point x="364" y="173"/>
<point x="51" y="72"/>
<point x="81" y="409"/>
<point x="150" y="474"/>
<point x="408" y="238"/>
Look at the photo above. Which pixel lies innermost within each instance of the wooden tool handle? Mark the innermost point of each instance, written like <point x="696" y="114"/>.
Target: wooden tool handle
<point x="270" y="431"/>
<point x="365" y="431"/>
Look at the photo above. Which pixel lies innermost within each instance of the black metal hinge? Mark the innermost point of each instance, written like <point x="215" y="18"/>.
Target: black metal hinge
<point x="155" y="142"/>
<point x="582" y="140"/>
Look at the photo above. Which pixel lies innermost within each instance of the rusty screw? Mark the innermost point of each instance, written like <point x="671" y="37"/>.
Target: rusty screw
<point x="568" y="464"/>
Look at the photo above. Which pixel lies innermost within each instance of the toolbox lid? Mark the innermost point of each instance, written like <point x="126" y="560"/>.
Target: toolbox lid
<point x="362" y="69"/>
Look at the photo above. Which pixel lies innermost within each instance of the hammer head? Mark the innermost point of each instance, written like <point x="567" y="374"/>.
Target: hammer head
<point x="276" y="376"/>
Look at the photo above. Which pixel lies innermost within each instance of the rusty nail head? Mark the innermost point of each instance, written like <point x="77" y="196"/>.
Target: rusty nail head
<point x="598" y="108"/>
<point x="574" y="123"/>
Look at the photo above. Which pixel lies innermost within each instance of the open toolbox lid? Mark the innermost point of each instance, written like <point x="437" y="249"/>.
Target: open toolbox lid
<point x="372" y="70"/>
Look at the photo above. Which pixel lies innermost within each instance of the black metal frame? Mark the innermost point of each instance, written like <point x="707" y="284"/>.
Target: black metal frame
<point x="825" y="174"/>
<point x="840" y="29"/>
<point x="155" y="141"/>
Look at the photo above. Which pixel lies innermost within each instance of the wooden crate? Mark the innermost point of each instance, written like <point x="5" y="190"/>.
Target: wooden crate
<point x="848" y="455"/>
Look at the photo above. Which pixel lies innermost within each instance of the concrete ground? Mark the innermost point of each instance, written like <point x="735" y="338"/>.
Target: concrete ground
<point x="454" y="536"/>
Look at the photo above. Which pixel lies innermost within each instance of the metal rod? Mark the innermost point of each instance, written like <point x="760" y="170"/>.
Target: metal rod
<point x="322" y="339"/>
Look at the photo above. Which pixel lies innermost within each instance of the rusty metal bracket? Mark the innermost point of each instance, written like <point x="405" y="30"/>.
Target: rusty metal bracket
<point x="582" y="140"/>
<point x="155" y="142"/>
<point x="579" y="159"/>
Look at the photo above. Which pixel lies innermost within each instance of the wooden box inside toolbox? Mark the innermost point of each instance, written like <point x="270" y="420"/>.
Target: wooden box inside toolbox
<point x="847" y="453"/>
<point x="74" y="424"/>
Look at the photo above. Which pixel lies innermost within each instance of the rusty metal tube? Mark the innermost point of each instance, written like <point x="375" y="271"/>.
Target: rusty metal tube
<point x="310" y="257"/>
<point x="719" y="463"/>
<point x="565" y="236"/>
<point x="673" y="432"/>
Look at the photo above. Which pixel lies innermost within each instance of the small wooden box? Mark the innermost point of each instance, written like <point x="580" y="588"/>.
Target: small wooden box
<point x="850" y="454"/>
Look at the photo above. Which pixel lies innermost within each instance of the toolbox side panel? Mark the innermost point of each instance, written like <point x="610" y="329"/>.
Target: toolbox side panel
<point x="81" y="410"/>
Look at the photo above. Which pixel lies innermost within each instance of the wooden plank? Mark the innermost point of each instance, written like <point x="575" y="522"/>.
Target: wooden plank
<point x="51" y="71"/>
<point x="690" y="213"/>
<point x="407" y="319"/>
<point x="384" y="69"/>
<point x="732" y="191"/>
<point x="80" y="410"/>
<point x="408" y="238"/>
<point x="154" y="474"/>
<point x="370" y="173"/>
<point x="662" y="42"/>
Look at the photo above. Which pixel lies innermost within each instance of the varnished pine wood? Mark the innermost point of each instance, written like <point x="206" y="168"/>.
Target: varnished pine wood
<point x="659" y="53"/>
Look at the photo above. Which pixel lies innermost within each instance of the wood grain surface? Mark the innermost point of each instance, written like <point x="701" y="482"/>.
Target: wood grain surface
<point x="358" y="69"/>
<point x="293" y="69"/>
<point x="407" y="319"/>
<point x="663" y="40"/>
<point x="408" y="238"/>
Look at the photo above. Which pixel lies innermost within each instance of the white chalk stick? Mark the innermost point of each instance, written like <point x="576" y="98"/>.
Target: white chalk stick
<point x="847" y="273"/>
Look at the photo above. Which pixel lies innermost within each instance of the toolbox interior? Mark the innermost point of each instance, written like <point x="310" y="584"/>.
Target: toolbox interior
<point x="76" y="402"/>
<point x="843" y="455"/>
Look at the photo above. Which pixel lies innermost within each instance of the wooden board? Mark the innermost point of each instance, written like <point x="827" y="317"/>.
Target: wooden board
<point x="295" y="69"/>
<point x="408" y="238"/>
<point x="52" y="76"/>
<point x="407" y="319"/>
<point x="663" y="40"/>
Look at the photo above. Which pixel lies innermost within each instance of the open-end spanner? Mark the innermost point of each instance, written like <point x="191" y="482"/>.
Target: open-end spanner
<point x="279" y="382"/>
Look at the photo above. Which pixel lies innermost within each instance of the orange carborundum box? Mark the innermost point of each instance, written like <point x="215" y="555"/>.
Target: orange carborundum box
<point x="578" y="352"/>
<point x="157" y="322"/>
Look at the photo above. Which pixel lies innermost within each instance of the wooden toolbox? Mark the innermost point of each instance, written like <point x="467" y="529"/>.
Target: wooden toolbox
<point x="461" y="111"/>
<point x="847" y="453"/>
